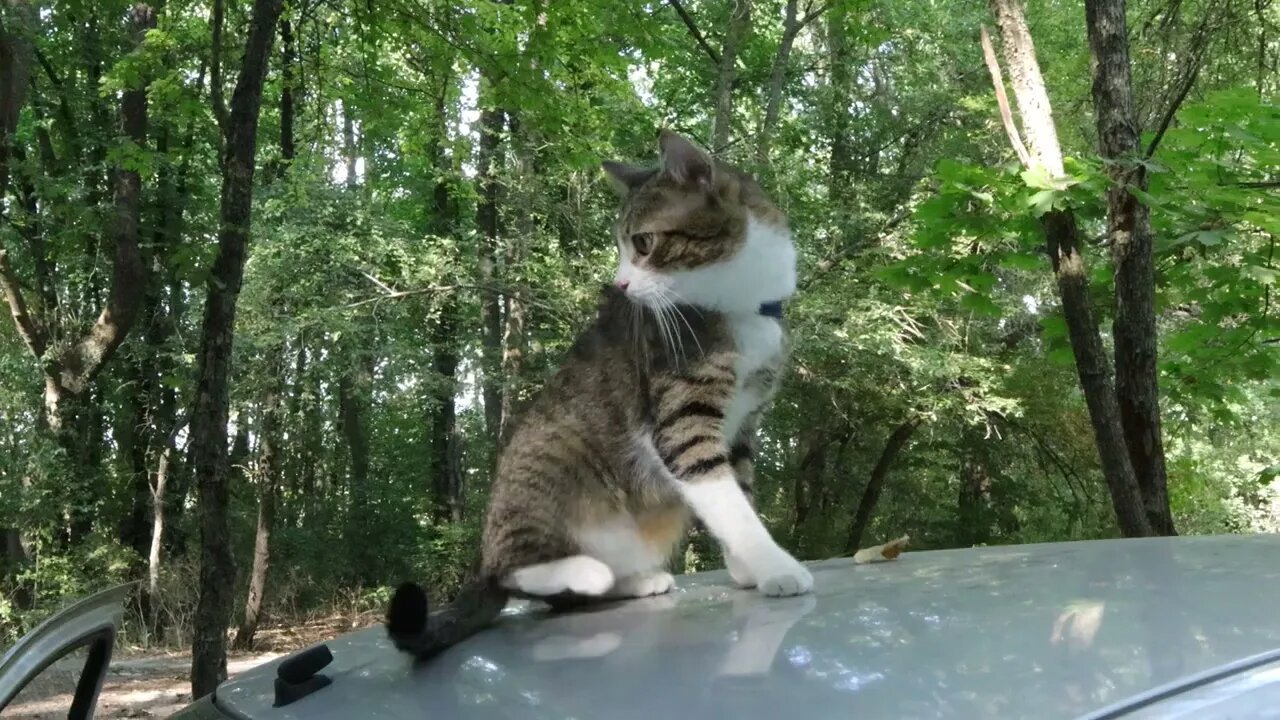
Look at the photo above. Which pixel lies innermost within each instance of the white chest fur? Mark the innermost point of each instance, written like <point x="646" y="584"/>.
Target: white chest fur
<point x="760" y="344"/>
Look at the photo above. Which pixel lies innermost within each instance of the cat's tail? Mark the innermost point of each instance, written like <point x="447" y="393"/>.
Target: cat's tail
<point x="424" y="634"/>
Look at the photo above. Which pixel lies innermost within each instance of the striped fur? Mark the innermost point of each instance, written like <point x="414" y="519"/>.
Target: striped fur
<point x="651" y="416"/>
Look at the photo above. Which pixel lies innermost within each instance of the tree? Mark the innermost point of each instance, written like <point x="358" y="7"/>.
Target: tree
<point x="1132" y="254"/>
<point x="209" y="417"/>
<point x="1043" y="154"/>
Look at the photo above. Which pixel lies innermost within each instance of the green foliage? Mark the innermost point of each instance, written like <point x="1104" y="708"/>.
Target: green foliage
<point x="925" y="292"/>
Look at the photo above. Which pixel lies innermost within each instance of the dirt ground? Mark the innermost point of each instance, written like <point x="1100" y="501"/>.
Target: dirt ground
<point x="142" y="684"/>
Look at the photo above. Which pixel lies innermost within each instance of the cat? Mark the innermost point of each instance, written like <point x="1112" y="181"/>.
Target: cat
<point x="651" y="417"/>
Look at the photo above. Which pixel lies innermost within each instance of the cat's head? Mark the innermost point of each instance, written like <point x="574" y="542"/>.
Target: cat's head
<point x="696" y="231"/>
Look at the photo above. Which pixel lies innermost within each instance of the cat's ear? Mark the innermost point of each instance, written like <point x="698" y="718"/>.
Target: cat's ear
<point x="685" y="162"/>
<point x="625" y="178"/>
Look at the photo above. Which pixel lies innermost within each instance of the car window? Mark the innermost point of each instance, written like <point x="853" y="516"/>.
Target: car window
<point x="49" y="695"/>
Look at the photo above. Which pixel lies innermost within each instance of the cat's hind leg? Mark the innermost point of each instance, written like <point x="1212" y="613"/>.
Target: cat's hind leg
<point x="576" y="575"/>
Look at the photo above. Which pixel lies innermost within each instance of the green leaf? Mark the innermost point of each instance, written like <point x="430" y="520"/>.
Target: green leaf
<point x="1054" y="326"/>
<point x="1264" y="275"/>
<point x="1039" y="178"/>
<point x="1045" y="201"/>
<point x="1062" y="356"/>
<point x="980" y="304"/>
<point x="1023" y="261"/>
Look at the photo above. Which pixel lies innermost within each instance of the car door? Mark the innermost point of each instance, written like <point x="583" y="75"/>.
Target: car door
<point x="89" y="625"/>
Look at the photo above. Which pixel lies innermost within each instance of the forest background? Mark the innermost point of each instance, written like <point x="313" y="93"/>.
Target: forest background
<point x="280" y="274"/>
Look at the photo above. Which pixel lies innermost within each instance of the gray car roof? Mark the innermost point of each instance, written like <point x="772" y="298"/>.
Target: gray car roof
<point x="1046" y="631"/>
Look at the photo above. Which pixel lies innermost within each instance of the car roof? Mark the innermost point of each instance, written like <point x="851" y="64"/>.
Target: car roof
<point x="1049" y="631"/>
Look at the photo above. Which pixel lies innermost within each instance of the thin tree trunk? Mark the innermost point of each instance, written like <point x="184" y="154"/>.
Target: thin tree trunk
<point x="209" y="420"/>
<point x="514" y="341"/>
<point x="973" y="507"/>
<point x="15" y="73"/>
<point x="1063" y="245"/>
<point x="1132" y="255"/>
<point x="840" y="167"/>
<point x="446" y="481"/>
<point x="158" y="489"/>
<point x="355" y="390"/>
<point x="875" y="484"/>
<point x="492" y="124"/>
<point x="814" y="446"/>
<point x="445" y="478"/>
<point x="727" y="73"/>
<point x="791" y="26"/>
<point x="269" y="462"/>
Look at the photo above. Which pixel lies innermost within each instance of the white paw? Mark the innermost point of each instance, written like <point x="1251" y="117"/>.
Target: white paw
<point x="739" y="571"/>
<point x="781" y="575"/>
<point x="644" y="584"/>
<point x="579" y="574"/>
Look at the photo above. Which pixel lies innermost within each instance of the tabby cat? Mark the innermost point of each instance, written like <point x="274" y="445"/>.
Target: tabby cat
<point x="652" y="415"/>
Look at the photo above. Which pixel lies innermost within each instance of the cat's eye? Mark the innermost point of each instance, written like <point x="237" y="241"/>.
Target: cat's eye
<point x="642" y="242"/>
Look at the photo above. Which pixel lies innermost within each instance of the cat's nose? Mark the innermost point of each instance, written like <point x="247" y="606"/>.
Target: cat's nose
<point x="621" y="284"/>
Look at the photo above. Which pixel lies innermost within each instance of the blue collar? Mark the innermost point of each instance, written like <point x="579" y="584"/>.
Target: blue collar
<point x="772" y="309"/>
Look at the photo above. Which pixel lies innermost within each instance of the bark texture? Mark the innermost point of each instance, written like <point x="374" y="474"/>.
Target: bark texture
<point x="727" y="73"/>
<point x="209" y="419"/>
<point x="1132" y="254"/>
<point x="1062" y="239"/>
<point x="269" y="462"/>
<point x="493" y="122"/>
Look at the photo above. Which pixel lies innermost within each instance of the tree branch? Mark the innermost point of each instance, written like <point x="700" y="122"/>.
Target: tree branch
<point x="697" y="34"/>
<point x="1002" y="99"/>
<point x="825" y="266"/>
<point x="28" y="330"/>
<point x="813" y="14"/>
<point x="1199" y="43"/>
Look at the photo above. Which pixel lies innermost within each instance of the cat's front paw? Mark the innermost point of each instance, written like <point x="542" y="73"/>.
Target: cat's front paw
<point x="780" y="575"/>
<point x="644" y="584"/>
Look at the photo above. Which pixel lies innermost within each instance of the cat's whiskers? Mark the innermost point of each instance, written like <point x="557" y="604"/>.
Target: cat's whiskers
<point x="671" y="311"/>
<point x="666" y="308"/>
<point x="678" y="305"/>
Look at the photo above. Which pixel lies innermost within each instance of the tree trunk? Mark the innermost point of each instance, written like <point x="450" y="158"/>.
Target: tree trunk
<point x="269" y="462"/>
<point x="492" y="124"/>
<point x="871" y="495"/>
<point x="355" y="390"/>
<point x="840" y="164"/>
<point x="70" y="368"/>
<point x="209" y="419"/>
<point x="734" y="38"/>
<point x="791" y="26"/>
<point x="1063" y="245"/>
<point x="525" y="207"/>
<point x="15" y="72"/>
<point x="1028" y="85"/>
<point x="133" y="441"/>
<point x="1132" y="254"/>
<point x="813" y="451"/>
<point x="973" y="509"/>
<point x="16" y="58"/>
<point x="446" y="480"/>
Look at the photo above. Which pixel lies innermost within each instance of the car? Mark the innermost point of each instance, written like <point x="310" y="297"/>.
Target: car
<point x="1183" y="627"/>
